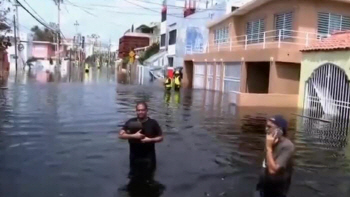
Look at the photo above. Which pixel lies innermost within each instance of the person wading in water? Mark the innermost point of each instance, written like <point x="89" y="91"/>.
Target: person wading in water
<point x="142" y="132"/>
<point x="277" y="166"/>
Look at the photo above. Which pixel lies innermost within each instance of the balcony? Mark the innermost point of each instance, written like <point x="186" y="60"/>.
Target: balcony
<point x="276" y="39"/>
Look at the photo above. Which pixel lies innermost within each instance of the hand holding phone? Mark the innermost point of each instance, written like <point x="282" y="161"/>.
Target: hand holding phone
<point x="278" y="133"/>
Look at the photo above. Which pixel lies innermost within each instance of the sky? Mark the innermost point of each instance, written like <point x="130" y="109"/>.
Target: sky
<point x="107" y="18"/>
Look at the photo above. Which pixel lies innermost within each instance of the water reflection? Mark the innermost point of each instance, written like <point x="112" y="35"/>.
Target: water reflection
<point x="63" y="136"/>
<point x="332" y="134"/>
<point x="142" y="188"/>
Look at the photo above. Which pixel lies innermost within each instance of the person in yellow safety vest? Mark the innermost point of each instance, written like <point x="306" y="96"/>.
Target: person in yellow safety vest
<point x="167" y="95"/>
<point x="86" y="67"/>
<point x="177" y="80"/>
<point x="168" y="83"/>
<point x="177" y="97"/>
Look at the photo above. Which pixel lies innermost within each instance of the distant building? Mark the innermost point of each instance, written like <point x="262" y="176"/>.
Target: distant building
<point x="45" y="50"/>
<point x="185" y="29"/>
<point x="153" y="30"/>
<point x="130" y="41"/>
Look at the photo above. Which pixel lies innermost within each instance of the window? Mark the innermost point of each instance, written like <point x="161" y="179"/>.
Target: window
<point x="284" y="24"/>
<point x="172" y="37"/>
<point x="221" y="35"/>
<point x="171" y="61"/>
<point x="162" y="40"/>
<point x="164" y="13"/>
<point x="328" y="23"/>
<point x="255" y="31"/>
<point x="232" y="75"/>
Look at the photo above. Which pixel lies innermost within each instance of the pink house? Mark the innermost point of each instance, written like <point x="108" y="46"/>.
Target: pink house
<point x="45" y="50"/>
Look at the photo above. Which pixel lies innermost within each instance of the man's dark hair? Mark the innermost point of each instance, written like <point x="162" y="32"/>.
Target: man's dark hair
<point x="142" y="103"/>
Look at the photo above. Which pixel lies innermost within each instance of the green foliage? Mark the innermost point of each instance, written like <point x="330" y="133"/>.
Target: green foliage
<point x="126" y="60"/>
<point x="43" y="35"/>
<point x="153" y="49"/>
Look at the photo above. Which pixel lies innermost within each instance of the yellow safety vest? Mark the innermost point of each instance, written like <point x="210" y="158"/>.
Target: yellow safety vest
<point x="177" y="81"/>
<point x="168" y="83"/>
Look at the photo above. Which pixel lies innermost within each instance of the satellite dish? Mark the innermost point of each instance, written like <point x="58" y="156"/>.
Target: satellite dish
<point x="20" y="47"/>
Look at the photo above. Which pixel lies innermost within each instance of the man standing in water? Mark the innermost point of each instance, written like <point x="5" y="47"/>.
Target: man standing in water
<point x="277" y="166"/>
<point x="142" y="133"/>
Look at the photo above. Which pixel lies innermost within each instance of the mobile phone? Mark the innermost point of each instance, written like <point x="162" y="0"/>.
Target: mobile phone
<point x="278" y="133"/>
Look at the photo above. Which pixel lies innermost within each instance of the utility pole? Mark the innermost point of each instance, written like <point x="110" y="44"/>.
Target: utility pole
<point x="76" y="45"/>
<point x="109" y="52"/>
<point x="58" y="31"/>
<point x="76" y="24"/>
<point x="15" y="37"/>
<point x="18" y="34"/>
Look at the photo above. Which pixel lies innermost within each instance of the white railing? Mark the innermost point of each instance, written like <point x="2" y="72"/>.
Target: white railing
<point x="268" y="39"/>
<point x="196" y="49"/>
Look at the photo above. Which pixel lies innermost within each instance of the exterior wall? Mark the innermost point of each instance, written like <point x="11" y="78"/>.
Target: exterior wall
<point x="126" y="43"/>
<point x="46" y="50"/>
<point x="285" y="58"/>
<point x="40" y="51"/>
<point x="268" y="12"/>
<point x="231" y="23"/>
<point x="253" y="55"/>
<point x="267" y="100"/>
<point x="313" y="60"/>
<point x="194" y="33"/>
<point x="284" y="78"/>
<point x="305" y="21"/>
<point x="307" y="17"/>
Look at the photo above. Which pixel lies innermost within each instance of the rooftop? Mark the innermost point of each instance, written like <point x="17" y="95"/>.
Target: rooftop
<point x="337" y="41"/>
<point x="136" y="34"/>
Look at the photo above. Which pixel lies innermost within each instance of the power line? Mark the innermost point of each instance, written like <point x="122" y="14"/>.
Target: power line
<point x="42" y="23"/>
<point x="178" y="15"/>
<point x="142" y="6"/>
<point x="11" y="21"/>
<point x="65" y="7"/>
<point x="90" y="12"/>
<point x="34" y="11"/>
<point x="109" y="6"/>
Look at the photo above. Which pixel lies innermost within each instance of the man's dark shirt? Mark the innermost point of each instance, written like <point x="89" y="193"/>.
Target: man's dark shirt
<point x="151" y="129"/>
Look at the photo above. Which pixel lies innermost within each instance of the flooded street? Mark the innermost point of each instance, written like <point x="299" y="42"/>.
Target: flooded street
<point x="60" y="139"/>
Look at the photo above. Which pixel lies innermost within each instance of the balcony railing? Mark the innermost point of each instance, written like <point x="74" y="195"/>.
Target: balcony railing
<point x="269" y="39"/>
<point x="194" y="49"/>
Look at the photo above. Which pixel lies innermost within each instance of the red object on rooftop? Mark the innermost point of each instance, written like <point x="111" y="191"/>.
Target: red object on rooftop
<point x="337" y="41"/>
<point x="164" y="8"/>
<point x="190" y="7"/>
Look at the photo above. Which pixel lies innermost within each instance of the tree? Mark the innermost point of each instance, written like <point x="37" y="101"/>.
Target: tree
<point x="43" y="35"/>
<point x="4" y="9"/>
<point x="4" y="23"/>
<point x="151" y="50"/>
